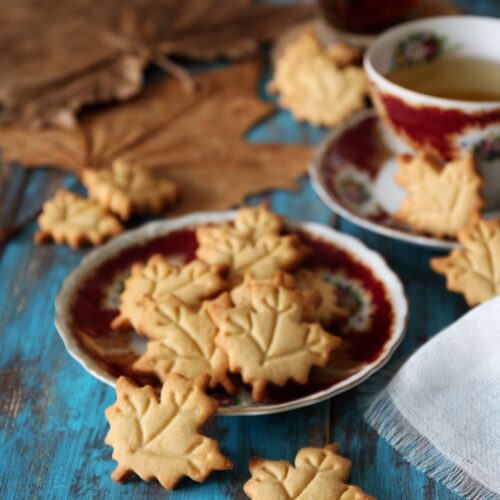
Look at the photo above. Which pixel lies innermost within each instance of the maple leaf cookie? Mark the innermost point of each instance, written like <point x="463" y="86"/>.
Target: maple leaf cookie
<point x="128" y="189"/>
<point x="316" y="83"/>
<point x="69" y="218"/>
<point x="440" y="200"/>
<point x="253" y="244"/>
<point x="474" y="270"/>
<point x="158" y="438"/>
<point x="329" y="310"/>
<point x="191" y="283"/>
<point x="319" y="474"/>
<point x="266" y="337"/>
<point x="182" y="341"/>
<point x="242" y="294"/>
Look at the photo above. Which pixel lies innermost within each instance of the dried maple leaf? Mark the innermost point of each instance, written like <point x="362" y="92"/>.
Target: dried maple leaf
<point x="474" y="270"/>
<point x="57" y="56"/>
<point x="196" y="140"/>
<point x="191" y="283"/>
<point x="253" y="245"/>
<point x="319" y="474"/>
<point x="182" y="341"/>
<point x="267" y="339"/>
<point x="159" y="438"/>
<point x="440" y="200"/>
<point x="69" y="218"/>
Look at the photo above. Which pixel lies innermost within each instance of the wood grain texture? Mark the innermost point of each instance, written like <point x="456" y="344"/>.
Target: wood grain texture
<point x="52" y="424"/>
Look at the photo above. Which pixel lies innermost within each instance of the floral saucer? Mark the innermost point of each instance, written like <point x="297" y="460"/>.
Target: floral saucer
<point x="89" y="301"/>
<point x="353" y="173"/>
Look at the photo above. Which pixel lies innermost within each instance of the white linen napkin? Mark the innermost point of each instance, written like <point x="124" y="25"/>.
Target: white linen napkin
<point x="441" y="411"/>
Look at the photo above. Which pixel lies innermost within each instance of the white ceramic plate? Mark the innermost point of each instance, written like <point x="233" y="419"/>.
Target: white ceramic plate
<point x="88" y="301"/>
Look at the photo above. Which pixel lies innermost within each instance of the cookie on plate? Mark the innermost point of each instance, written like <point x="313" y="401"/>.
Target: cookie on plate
<point x="69" y="218"/>
<point x="182" y="340"/>
<point x="158" y="438"/>
<point x="440" y="199"/>
<point x="191" y="283"/>
<point x="267" y="339"/>
<point x="128" y="189"/>
<point x="474" y="270"/>
<point x="329" y="311"/>
<point x="241" y="294"/>
<point x="318" y="474"/>
<point x="316" y="83"/>
<point x="253" y="244"/>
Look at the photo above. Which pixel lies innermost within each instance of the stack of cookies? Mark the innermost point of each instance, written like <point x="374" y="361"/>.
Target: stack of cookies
<point x="243" y="306"/>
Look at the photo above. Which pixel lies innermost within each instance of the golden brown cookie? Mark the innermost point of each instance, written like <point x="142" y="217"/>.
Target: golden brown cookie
<point x="317" y="84"/>
<point x="127" y="189"/>
<point x="319" y="474"/>
<point x="69" y="218"/>
<point x="253" y="244"/>
<point x="191" y="283"/>
<point x="329" y="311"/>
<point x="474" y="270"/>
<point x="182" y="341"/>
<point x="440" y="199"/>
<point x="158" y="438"/>
<point x="242" y="295"/>
<point x="267" y="339"/>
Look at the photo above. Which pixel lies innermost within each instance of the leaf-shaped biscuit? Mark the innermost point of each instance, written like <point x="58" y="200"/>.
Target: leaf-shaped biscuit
<point x="266" y="338"/>
<point x="127" y="189"/>
<point x="182" y="341"/>
<point x="159" y="438"/>
<point x="440" y="200"/>
<point x="69" y="218"/>
<point x="191" y="283"/>
<point x="314" y="86"/>
<point x="242" y="294"/>
<point x="252" y="245"/>
<point x="319" y="474"/>
<point x="329" y="311"/>
<point x="474" y="270"/>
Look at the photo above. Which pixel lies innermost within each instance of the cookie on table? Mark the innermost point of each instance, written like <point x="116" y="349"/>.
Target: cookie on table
<point x="69" y="218"/>
<point x="440" y="199"/>
<point x="128" y="189"/>
<point x="266" y="337"/>
<point x="253" y="244"/>
<point x="318" y="84"/>
<point x="158" y="438"/>
<point x="191" y="283"/>
<point x="474" y="270"/>
<point x="318" y="474"/>
<point x="182" y="341"/>
<point x="329" y="311"/>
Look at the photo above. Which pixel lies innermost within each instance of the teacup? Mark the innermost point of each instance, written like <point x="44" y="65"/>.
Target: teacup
<point x="441" y="126"/>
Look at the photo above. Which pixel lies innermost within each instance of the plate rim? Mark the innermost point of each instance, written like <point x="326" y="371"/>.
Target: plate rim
<point x="318" y="183"/>
<point x="370" y="258"/>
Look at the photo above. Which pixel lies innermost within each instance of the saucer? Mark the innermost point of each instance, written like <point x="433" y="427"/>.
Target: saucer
<point x="90" y="296"/>
<point x="353" y="173"/>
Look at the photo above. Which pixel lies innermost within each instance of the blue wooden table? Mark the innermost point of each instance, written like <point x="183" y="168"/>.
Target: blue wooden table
<point x="52" y="424"/>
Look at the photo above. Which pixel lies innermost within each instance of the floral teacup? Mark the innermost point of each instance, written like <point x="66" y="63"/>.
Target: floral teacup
<point x="444" y="127"/>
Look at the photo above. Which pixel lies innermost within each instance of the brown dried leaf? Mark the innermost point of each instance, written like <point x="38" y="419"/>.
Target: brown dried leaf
<point x="196" y="140"/>
<point x="58" y="56"/>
